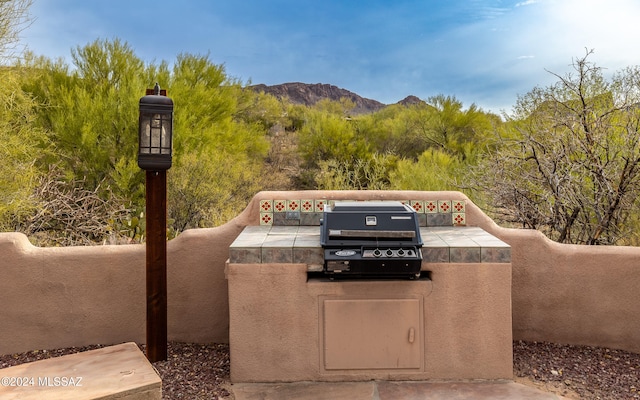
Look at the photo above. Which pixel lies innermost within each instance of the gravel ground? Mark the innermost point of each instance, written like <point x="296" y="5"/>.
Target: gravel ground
<point x="195" y="371"/>
<point x="578" y="372"/>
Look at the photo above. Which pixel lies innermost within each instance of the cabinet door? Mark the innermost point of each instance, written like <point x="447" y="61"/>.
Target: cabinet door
<point x="373" y="334"/>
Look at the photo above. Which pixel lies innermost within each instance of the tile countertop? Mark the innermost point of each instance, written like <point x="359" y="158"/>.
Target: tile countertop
<point x="301" y="245"/>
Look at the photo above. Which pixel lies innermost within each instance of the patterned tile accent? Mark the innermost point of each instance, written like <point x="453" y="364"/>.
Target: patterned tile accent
<point x="279" y="205"/>
<point x="459" y="219"/>
<point x="308" y="212"/>
<point x="266" y="218"/>
<point x="319" y="204"/>
<point x="431" y="206"/>
<point x="266" y="205"/>
<point x="306" y="206"/>
<point x="458" y="206"/>
<point x="417" y="205"/>
<point x="444" y="206"/>
<point x="293" y="205"/>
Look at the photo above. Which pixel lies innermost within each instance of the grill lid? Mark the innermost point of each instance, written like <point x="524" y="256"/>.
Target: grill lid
<point x="364" y="222"/>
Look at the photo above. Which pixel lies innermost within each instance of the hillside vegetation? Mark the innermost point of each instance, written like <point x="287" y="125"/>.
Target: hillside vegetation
<point x="565" y="162"/>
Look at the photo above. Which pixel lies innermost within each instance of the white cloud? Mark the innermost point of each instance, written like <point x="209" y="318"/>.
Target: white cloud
<point x="564" y="28"/>
<point x="548" y="34"/>
<point x="526" y="3"/>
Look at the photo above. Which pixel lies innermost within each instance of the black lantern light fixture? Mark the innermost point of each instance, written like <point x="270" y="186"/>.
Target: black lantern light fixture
<point x="155" y="130"/>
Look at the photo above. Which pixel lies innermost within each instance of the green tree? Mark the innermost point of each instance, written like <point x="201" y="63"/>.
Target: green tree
<point x="392" y="130"/>
<point x="361" y="174"/>
<point x="274" y="116"/>
<point x="436" y="141"/>
<point x="435" y="169"/>
<point x="327" y="134"/>
<point x="91" y="114"/>
<point x="442" y="123"/>
<point x="91" y="129"/>
<point x="218" y="157"/>
<point x="20" y="141"/>
<point x="21" y="146"/>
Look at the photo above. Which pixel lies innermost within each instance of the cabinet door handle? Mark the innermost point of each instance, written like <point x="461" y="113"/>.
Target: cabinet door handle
<point x="412" y="335"/>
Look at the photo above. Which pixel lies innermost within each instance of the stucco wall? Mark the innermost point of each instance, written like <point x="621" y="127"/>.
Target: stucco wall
<point x="276" y="312"/>
<point x="57" y="297"/>
<point x="586" y="295"/>
<point x="575" y="294"/>
<point x="75" y="296"/>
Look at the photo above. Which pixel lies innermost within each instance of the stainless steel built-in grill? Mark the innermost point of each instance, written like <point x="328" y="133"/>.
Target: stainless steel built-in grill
<point x="371" y="239"/>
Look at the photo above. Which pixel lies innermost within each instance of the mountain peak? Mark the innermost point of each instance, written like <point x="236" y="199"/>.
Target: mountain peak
<point x="310" y="94"/>
<point x="410" y="100"/>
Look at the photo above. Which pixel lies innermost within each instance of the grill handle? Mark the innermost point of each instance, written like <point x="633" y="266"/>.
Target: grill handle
<point x="359" y="233"/>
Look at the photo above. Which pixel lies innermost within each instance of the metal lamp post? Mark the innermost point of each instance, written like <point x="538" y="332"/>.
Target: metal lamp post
<point x="155" y="156"/>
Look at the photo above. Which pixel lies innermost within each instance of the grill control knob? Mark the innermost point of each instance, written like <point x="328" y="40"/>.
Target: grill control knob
<point x="377" y="253"/>
<point x="389" y="253"/>
<point x="401" y="253"/>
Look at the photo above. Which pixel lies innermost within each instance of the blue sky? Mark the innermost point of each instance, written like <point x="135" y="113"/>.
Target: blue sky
<point x="485" y="52"/>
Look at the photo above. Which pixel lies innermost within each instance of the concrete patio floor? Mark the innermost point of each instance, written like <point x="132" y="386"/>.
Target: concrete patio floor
<point x="386" y="390"/>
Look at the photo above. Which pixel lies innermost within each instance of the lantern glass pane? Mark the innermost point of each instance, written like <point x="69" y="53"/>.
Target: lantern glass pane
<point x="155" y="134"/>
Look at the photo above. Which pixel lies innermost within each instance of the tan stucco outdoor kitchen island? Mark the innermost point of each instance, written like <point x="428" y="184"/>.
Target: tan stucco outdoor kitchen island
<point x="290" y="323"/>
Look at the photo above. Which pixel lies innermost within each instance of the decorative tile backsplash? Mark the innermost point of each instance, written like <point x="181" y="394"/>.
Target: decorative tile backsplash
<point x="309" y="211"/>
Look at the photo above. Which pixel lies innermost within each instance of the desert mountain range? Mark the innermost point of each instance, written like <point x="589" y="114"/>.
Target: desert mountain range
<point x="310" y="94"/>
